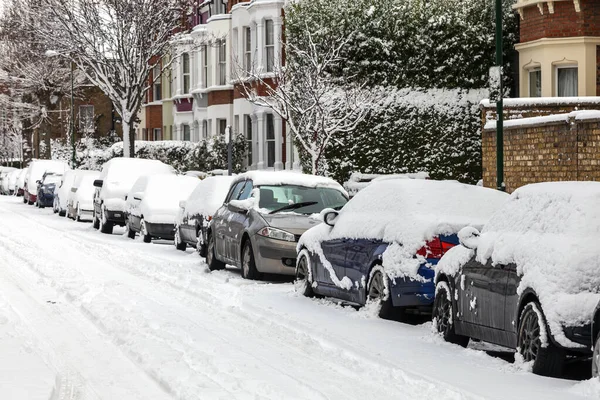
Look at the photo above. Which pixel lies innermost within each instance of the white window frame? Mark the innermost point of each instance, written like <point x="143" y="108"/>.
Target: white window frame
<point x="222" y="61"/>
<point x="186" y="128"/>
<point x="248" y="136"/>
<point x="156" y="133"/>
<point x="204" y="129"/>
<point x="269" y="46"/>
<point x="186" y="81"/>
<point x="247" y="49"/>
<point x="268" y="140"/>
<point x="156" y="83"/>
<point x="87" y="123"/>
<point x="529" y="72"/>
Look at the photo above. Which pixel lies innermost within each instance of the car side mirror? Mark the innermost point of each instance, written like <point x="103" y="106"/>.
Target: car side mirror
<point x="98" y="183"/>
<point x="241" y="206"/>
<point x="469" y="237"/>
<point x="330" y="216"/>
<point x="73" y="189"/>
<point x="182" y="204"/>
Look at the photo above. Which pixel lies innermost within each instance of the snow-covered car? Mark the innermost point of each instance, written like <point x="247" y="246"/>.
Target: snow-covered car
<point x="116" y="179"/>
<point x="35" y="172"/>
<point x="383" y="244"/>
<point x="46" y="189"/>
<point x="12" y="181"/>
<point x="20" y="184"/>
<point x="263" y="216"/>
<point x="80" y="201"/>
<point x="4" y="174"/>
<point x="61" y="195"/>
<point x="153" y="203"/>
<point x="530" y="280"/>
<point x="197" y="211"/>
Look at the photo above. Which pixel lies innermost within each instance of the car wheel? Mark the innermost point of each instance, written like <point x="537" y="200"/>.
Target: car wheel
<point x="78" y="214"/>
<point x="144" y="232"/>
<point x="378" y="291"/>
<point x="179" y="245"/>
<point x="96" y="223"/>
<point x="55" y="206"/>
<point x="443" y="315"/>
<point x="105" y="225"/>
<point x="303" y="282"/>
<point x="24" y="200"/>
<point x="535" y="346"/>
<point x="211" y="259"/>
<point x="200" y="246"/>
<point x="249" y="270"/>
<point x="130" y="232"/>
<point x="596" y="359"/>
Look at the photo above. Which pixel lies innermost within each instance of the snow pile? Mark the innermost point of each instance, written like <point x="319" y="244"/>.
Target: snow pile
<point x="161" y="196"/>
<point x="119" y="175"/>
<point x="551" y="232"/>
<point x="208" y="196"/>
<point x="406" y="213"/>
<point x="359" y="181"/>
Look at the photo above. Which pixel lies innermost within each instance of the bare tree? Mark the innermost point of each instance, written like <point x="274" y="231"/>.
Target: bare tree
<point x="116" y="43"/>
<point x="316" y="105"/>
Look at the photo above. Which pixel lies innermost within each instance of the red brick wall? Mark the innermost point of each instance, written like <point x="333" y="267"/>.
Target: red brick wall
<point x="217" y="97"/>
<point x="153" y="120"/>
<point x="565" y="22"/>
<point x="597" y="70"/>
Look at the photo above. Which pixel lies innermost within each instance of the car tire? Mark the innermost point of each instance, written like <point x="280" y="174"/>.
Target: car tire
<point x="179" y="245"/>
<point x="596" y="358"/>
<point x="105" y="225"/>
<point x="78" y="214"/>
<point x="249" y="270"/>
<point x="144" y="232"/>
<point x="303" y="282"/>
<point x="547" y="361"/>
<point x="211" y="258"/>
<point x="130" y="232"/>
<point x="96" y="222"/>
<point x="200" y="247"/>
<point x="24" y="200"/>
<point x="378" y="290"/>
<point x="443" y="315"/>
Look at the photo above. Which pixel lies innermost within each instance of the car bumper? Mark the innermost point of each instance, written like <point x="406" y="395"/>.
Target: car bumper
<point x="407" y="292"/>
<point x="47" y="200"/>
<point x="20" y="192"/>
<point x="161" y="231"/>
<point x="86" y="215"/>
<point x="116" y="217"/>
<point x="274" y="256"/>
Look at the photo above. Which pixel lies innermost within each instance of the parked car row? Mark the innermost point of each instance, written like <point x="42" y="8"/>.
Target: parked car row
<point x="520" y="271"/>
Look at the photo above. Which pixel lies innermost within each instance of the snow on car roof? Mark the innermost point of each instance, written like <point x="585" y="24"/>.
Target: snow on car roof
<point x="275" y="178"/>
<point x="169" y="189"/>
<point x="412" y="211"/>
<point x="208" y="195"/>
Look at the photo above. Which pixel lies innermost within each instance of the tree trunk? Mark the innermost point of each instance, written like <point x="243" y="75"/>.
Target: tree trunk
<point x="127" y="142"/>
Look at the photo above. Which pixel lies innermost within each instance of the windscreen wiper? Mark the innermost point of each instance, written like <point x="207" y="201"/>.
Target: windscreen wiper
<point x="294" y="206"/>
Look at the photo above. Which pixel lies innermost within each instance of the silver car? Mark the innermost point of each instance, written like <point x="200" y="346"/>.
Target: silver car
<point x="263" y="217"/>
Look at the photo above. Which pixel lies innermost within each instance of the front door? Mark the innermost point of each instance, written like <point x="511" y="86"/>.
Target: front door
<point x="332" y="271"/>
<point x="358" y="259"/>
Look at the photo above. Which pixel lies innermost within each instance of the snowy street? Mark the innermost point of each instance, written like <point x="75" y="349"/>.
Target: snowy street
<point x="89" y="316"/>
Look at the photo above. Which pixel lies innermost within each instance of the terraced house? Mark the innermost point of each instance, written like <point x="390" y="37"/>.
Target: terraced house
<point x="197" y="99"/>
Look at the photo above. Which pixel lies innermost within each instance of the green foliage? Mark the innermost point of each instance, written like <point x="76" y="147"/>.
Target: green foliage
<point x="414" y="45"/>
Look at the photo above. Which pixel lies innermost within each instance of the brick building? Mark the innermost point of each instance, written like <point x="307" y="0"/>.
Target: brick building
<point x="552" y="133"/>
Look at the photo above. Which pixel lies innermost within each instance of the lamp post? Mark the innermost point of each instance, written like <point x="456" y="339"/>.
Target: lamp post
<point x="499" y="103"/>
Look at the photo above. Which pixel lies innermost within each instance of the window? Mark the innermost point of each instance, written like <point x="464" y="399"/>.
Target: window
<point x="270" y="141"/>
<point x="221" y="126"/>
<point x="276" y="197"/>
<point x="156" y="134"/>
<point x="186" y="72"/>
<point x="156" y="84"/>
<point x="86" y="119"/>
<point x="269" y="45"/>
<point x="535" y="83"/>
<point x="186" y="132"/>
<point x="236" y="124"/>
<point x="222" y="49"/>
<point x="246" y="191"/>
<point x="248" y="134"/>
<point x="171" y="131"/>
<point x="218" y="7"/>
<point x="247" y="49"/>
<point x="204" y="129"/>
<point x="235" y="191"/>
<point x="567" y="81"/>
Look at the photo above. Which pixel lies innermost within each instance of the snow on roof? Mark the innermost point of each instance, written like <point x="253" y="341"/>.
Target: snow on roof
<point x="276" y="178"/>
<point x="548" y="119"/>
<point x="208" y="196"/>
<point x="551" y="232"/>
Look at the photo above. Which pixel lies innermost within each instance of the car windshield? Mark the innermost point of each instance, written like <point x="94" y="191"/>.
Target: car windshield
<point x="273" y="198"/>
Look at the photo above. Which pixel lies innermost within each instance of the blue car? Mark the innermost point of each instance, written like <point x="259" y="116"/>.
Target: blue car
<point x="382" y="246"/>
<point x="45" y="190"/>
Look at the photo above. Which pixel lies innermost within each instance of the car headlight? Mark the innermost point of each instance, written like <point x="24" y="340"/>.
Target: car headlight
<point x="278" y="234"/>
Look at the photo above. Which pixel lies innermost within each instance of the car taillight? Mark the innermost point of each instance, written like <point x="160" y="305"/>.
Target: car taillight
<point x="435" y="248"/>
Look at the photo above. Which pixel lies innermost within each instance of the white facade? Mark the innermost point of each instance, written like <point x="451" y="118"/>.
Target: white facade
<point x="249" y="36"/>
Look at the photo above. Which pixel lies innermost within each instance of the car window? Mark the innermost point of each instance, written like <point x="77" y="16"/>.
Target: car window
<point x="275" y="197"/>
<point x="235" y="192"/>
<point x="245" y="193"/>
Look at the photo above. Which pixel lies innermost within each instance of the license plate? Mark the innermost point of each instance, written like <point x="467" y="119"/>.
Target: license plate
<point x="117" y="215"/>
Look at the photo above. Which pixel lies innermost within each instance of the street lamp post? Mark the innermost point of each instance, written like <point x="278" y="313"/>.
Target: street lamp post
<point x="499" y="103"/>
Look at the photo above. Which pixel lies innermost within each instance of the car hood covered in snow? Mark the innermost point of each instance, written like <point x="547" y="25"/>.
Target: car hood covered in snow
<point x="406" y="213"/>
<point x="551" y="232"/>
